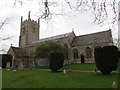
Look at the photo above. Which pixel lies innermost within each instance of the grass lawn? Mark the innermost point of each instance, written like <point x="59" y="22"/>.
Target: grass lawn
<point x="47" y="79"/>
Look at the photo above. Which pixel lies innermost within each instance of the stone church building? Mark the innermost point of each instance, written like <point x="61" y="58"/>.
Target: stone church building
<point x="80" y="49"/>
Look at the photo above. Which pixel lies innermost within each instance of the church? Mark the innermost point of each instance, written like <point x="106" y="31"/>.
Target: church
<point x="80" y="49"/>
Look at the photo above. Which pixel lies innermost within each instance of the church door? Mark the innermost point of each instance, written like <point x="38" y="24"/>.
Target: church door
<point x="82" y="59"/>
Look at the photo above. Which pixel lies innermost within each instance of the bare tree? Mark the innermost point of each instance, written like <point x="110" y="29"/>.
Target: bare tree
<point x="100" y="9"/>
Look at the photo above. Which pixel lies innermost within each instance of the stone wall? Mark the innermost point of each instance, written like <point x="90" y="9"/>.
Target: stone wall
<point x="45" y="62"/>
<point x="42" y="62"/>
<point x="82" y="51"/>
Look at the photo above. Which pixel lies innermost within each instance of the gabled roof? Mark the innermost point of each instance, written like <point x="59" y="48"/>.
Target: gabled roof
<point x="19" y="52"/>
<point x="94" y="38"/>
<point x="50" y="38"/>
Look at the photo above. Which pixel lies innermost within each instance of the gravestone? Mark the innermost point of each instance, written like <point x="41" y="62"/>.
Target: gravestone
<point x="114" y="85"/>
<point x="8" y="65"/>
<point x="14" y="71"/>
<point x="20" y="66"/>
<point x="64" y="72"/>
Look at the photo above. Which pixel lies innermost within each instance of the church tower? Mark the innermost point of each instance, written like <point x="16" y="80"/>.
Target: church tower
<point x="29" y="31"/>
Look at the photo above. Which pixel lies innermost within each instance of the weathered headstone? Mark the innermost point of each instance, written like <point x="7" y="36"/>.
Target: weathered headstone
<point x="33" y="63"/>
<point x="8" y="65"/>
<point x="14" y="71"/>
<point x="114" y="85"/>
<point x="64" y="72"/>
<point x="20" y="66"/>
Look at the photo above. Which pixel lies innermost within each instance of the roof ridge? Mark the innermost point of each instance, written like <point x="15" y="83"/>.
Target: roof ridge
<point x="52" y="37"/>
<point x="57" y="35"/>
<point x="94" y="33"/>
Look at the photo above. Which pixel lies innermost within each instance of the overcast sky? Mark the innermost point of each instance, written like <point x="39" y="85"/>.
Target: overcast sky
<point x="82" y="23"/>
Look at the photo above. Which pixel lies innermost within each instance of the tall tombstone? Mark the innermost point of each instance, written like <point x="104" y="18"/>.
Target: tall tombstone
<point x="20" y="66"/>
<point x="8" y="65"/>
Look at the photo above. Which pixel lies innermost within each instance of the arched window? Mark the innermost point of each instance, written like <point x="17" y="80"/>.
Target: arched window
<point x="66" y="51"/>
<point x="75" y="54"/>
<point x="88" y="52"/>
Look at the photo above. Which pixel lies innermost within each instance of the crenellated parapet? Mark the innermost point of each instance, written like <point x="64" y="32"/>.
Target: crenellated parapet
<point x="32" y="21"/>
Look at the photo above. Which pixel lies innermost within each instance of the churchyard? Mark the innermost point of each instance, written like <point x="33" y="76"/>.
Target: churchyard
<point x="77" y="76"/>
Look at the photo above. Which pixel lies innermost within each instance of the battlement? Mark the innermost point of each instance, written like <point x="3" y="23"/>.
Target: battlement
<point x="29" y="20"/>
